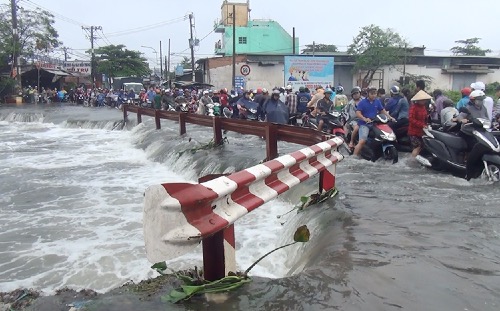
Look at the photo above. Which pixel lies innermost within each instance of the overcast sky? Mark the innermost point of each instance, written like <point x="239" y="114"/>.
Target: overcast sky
<point x="435" y="24"/>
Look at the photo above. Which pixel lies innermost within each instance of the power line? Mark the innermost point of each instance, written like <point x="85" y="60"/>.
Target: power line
<point x="60" y="16"/>
<point x="147" y="27"/>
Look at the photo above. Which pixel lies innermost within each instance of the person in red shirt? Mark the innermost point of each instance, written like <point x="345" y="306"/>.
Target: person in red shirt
<point x="418" y="120"/>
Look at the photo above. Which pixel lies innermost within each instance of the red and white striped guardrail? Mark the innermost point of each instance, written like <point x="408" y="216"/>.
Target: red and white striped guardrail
<point x="177" y="216"/>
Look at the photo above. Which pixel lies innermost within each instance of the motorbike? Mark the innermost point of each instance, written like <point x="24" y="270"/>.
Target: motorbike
<point x="381" y="141"/>
<point x="250" y="112"/>
<point x="80" y="99"/>
<point x="334" y="126"/>
<point x="213" y="109"/>
<point x="473" y="152"/>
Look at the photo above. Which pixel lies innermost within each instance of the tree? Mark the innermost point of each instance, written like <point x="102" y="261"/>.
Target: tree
<point x="320" y="48"/>
<point x="374" y="48"/>
<point x="186" y="62"/>
<point x="116" y="61"/>
<point x="468" y="47"/>
<point x="35" y="29"/>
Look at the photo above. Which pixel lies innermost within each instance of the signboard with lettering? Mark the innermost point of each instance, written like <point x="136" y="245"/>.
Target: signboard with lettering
<point x="77" y="66"/>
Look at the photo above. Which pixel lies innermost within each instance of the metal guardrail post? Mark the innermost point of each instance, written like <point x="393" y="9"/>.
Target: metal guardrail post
<point x="182" y="123"/>
<point x="219" y="255"/>
<point x="217" y="125"/>
<point x="271" y="141"/>
<point x="139" y="116"/>
<point x="157" y="119"/>
<point x="124" y="107"/>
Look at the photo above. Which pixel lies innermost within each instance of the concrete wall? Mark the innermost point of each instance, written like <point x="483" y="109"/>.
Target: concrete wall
<point x="219" y="73"/>
<point x="260" y="76"/>
<point x="440" y="80"/>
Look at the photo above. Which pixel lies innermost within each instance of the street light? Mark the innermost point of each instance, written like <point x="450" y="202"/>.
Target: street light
<point x="156" y="53"/>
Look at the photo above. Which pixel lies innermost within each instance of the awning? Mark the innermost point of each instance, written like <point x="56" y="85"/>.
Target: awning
<point x="468" y="70"/>
<point x="57" y="72"/>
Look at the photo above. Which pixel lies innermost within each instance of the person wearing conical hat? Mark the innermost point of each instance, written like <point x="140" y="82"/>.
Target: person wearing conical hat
<point x="418" y="121"/>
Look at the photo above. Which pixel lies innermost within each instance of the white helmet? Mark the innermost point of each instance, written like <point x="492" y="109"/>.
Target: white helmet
<point x="288" y="87"/>
<point x="476" y="93"/>
<point x="205" y="92"/>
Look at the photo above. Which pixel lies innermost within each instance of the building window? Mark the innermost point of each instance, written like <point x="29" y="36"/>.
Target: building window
<point x="242" y="40"/>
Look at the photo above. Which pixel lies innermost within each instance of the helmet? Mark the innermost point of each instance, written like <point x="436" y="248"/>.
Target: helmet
<point x="355" y="89"/>
<point x="476" y="93"/>
<point x="466" y="91"/>
<point x="339" y="89"/>
<point x="205" y="92"/>
<point x="264" y="90"/>
<point x="394" y="90"/>
<point x="302" y="89"/>
<point x="276" y="92"/>
<point x="371" y="89"/>
<point x="328" y="90"/>
<point x="288" y="87"/>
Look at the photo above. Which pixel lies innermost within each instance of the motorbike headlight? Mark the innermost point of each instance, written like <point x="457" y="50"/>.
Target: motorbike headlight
<point x="486" y="124"/>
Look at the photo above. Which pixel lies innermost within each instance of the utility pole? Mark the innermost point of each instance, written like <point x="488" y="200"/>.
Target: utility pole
<point x="191" y="44"/>
<point x="404" y="66"/>
<point x="92" y="59"/>
<point x="234" y="47"/>
<point x="293" y="40"/>
<point x="161" y="65"/>
<point x="314" y="47"/>
<point x="17" y="53"/>
<point x="168" y="64"/>
<point x="65" y="49"/>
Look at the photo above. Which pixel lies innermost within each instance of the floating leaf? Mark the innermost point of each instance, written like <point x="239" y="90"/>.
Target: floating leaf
<point x="302" y="234"/>
<point x="304" y="199"/>
<point x="191" y="290"/>
<point x="175" y="296"/>
<point x="160" y="267"/>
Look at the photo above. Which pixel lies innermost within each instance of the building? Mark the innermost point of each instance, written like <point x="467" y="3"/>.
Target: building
<point x="445" y="72"/>
<point x="261" y="47"/>
<point x="253" y="36"/>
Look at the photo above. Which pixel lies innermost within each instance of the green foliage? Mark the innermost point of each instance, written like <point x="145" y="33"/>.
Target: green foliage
<point x="455" y="96"/>
<point x="469" y="47"/>
<point x="186" y="62"/>
<point x="374" y="48"/>
<point x="36" y="32"/>
<point x="117" y="61"/>
<point x="194" y="283"/>
<point x="412" y="80"/>
<point x="6" y="86"/>
<point x="491" y="89"/>
<point x="302" y="234"/>
<point x="320" y="48"/>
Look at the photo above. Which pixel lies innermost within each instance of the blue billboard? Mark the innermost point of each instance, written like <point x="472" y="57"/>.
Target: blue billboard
<point x="308" y="71"/>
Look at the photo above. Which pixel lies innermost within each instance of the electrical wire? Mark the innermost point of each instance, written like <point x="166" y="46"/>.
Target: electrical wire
<point x="34" y="5"/>
<point x="147" y="27"/>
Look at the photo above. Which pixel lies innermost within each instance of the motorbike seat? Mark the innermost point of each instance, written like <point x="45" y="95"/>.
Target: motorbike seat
<point x="451" y="140"/>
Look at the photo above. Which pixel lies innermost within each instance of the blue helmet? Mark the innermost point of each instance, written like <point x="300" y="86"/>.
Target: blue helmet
<point x="328" y="90"/>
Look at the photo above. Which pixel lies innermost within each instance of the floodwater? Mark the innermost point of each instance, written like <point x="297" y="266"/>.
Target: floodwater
<point x="397" y="236"/>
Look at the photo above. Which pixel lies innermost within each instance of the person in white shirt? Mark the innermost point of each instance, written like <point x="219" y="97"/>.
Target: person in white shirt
<point x="488" y="102"/>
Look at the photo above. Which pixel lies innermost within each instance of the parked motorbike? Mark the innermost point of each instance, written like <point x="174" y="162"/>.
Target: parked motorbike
<point x="471" y="153"/>
<point x="381" y="141"/>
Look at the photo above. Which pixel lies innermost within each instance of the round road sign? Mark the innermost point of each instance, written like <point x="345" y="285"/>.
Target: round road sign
<point x="245" y="70"/>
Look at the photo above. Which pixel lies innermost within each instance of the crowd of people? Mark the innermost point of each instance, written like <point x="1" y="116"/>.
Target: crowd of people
<point x="417" y="110"/>
<point x="282" y="105"/>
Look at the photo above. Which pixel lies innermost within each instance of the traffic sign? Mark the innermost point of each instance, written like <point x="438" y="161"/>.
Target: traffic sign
<point x="245" y="70"/>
